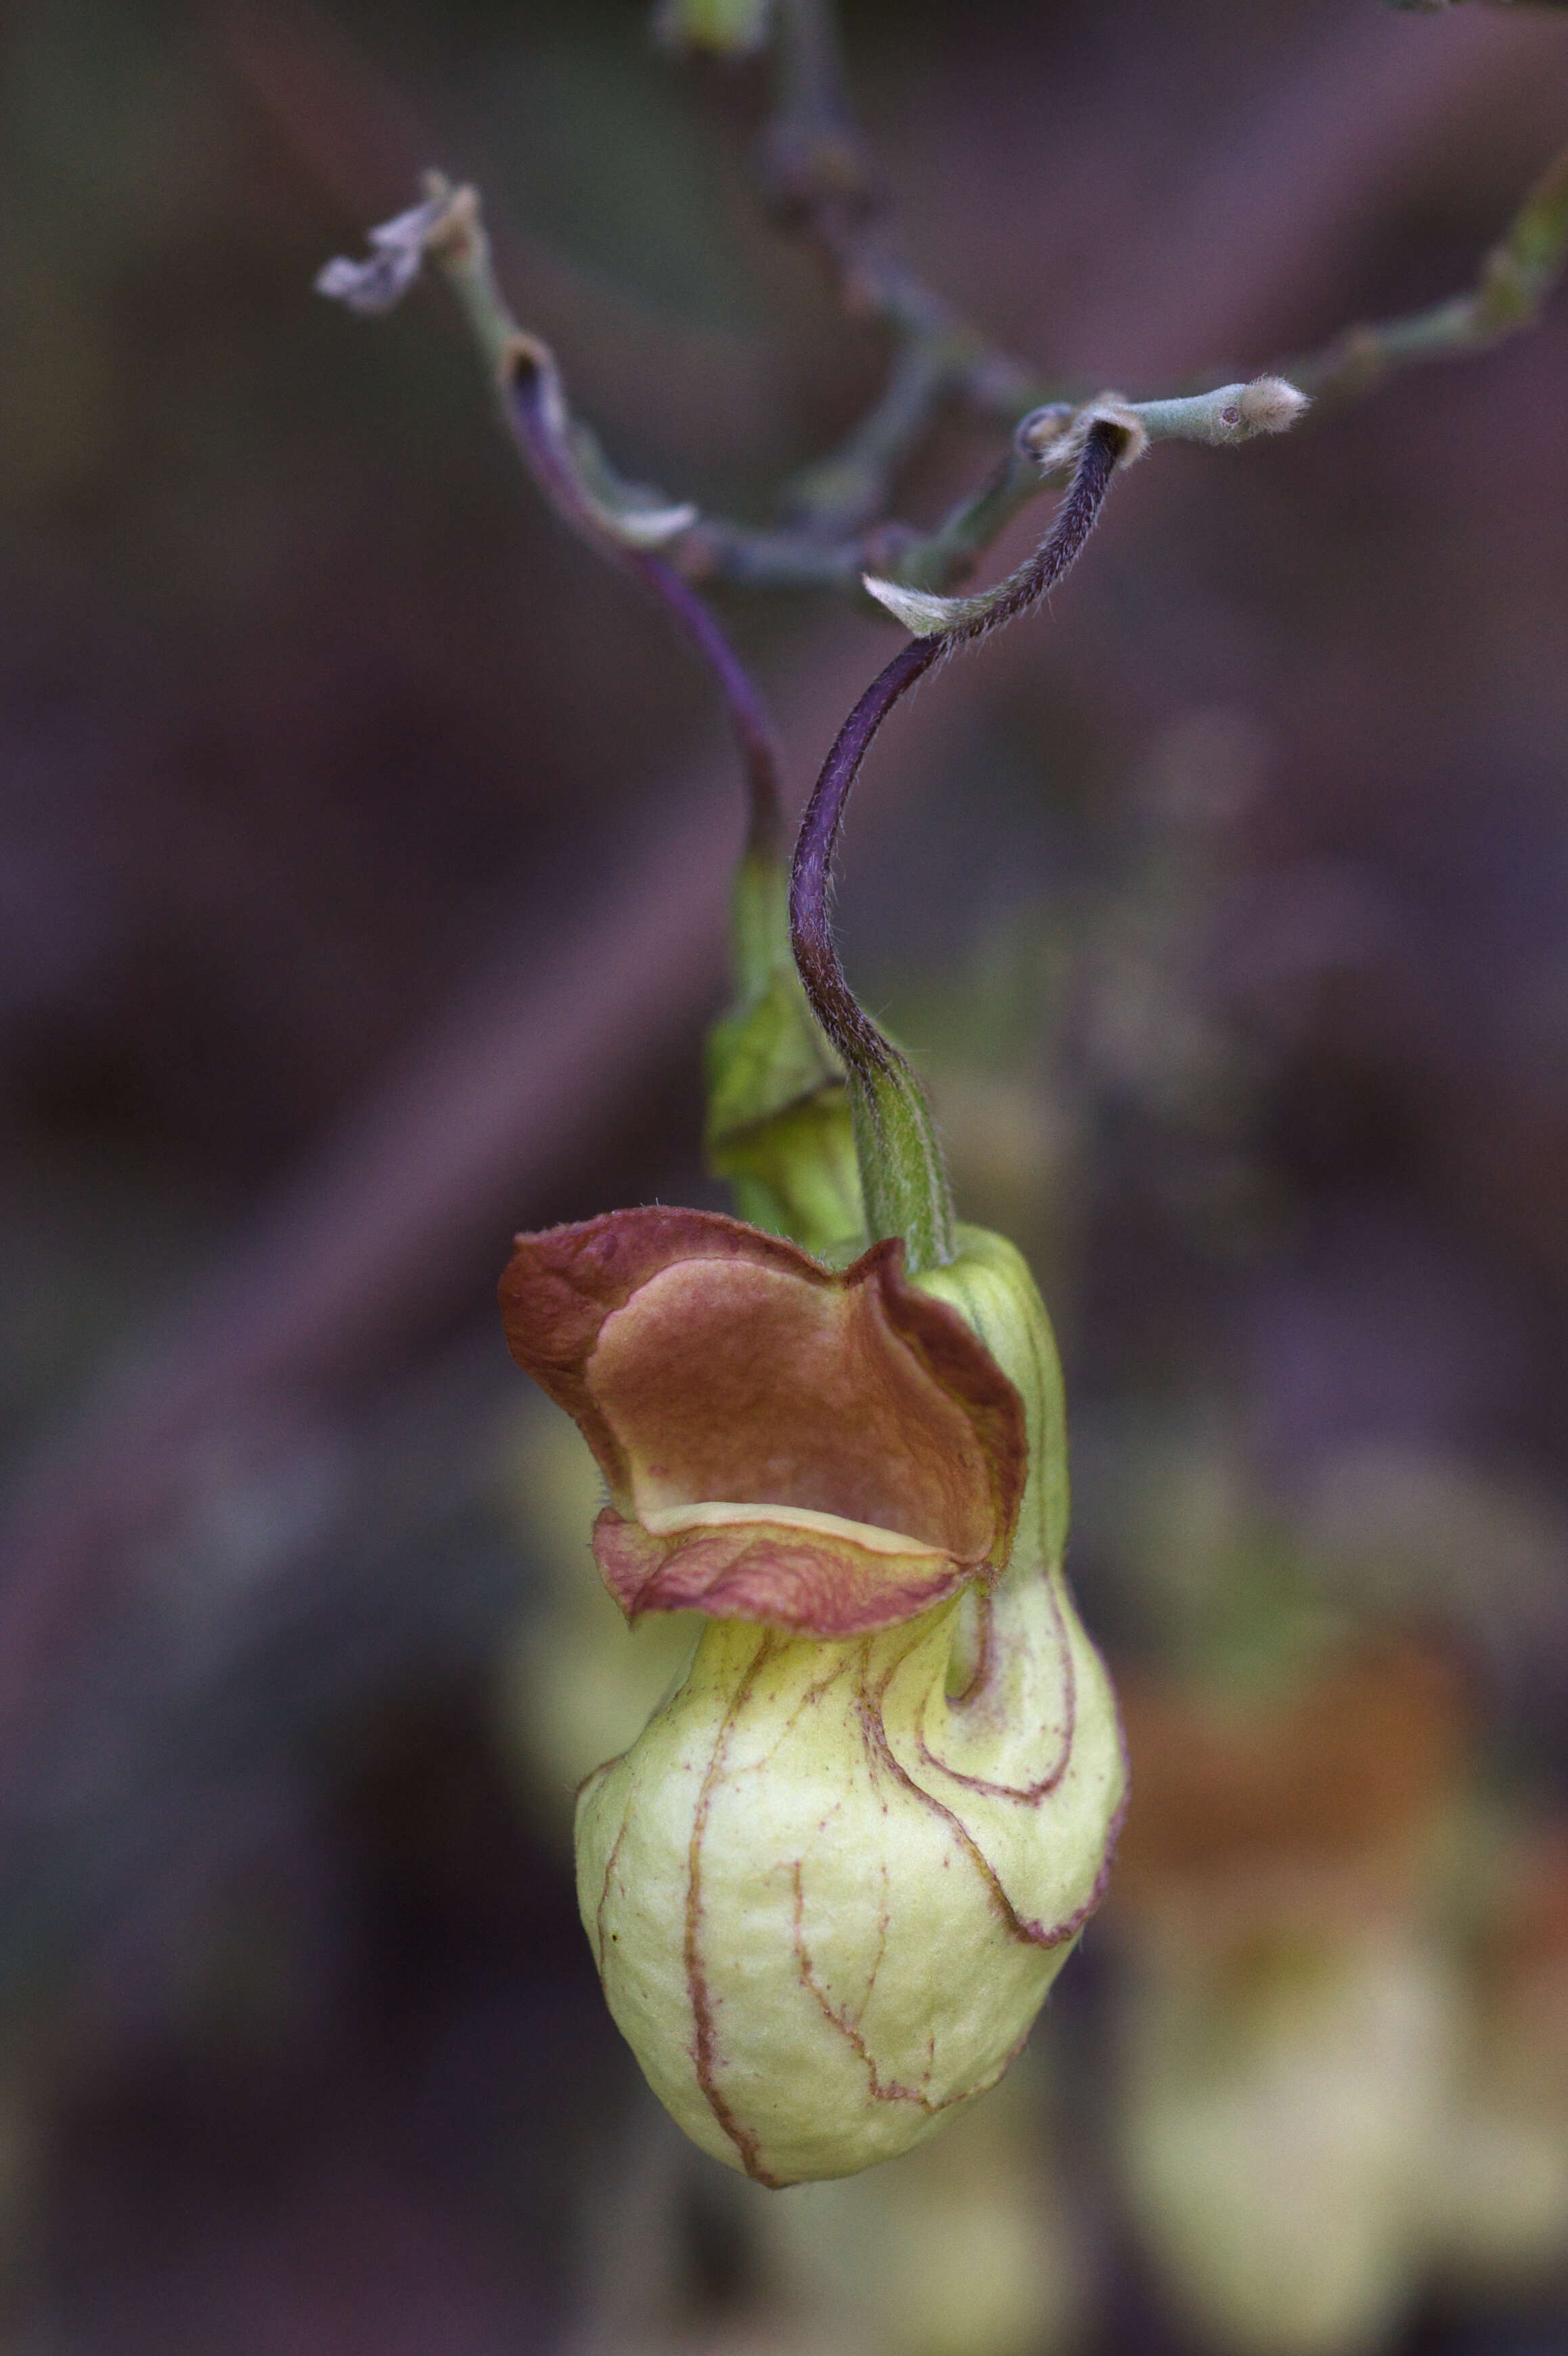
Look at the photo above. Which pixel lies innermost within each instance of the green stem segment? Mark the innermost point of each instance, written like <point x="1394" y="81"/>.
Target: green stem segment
<point x="1515" y="280"/>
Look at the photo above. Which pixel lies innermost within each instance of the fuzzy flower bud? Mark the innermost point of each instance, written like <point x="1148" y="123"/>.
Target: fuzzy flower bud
<point x="830" y="1885"/>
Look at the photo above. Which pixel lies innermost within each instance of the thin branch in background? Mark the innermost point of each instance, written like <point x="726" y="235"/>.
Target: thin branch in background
<point x="750" y="720"/>
<point x="820" y="175"/>
<point x="1515" y="281"/>
<point x="624" y="522"/>
<point x="821" y="180"/>
<point x="627" y="521"/>
<point x="1509" y="296"/>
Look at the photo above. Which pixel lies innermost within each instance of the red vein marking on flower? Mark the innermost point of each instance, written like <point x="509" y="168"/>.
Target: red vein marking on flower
<point x="883" y="1926"/>
<point x="1034" y="1935"/>
<point x="807" y="1701"/>
<point x="870" y="1718"/>
<point x="604" y="1893"/>
<point x="1027" y="1792"/>
<point x="849" y="2025"/>
<point x="1074" y="1922"/>
<point x="703" y="2044"/>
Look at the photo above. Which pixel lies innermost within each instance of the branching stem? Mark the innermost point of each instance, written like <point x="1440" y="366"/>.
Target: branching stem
<point x="1515" y="280"/>
<point x="613" y="518"/>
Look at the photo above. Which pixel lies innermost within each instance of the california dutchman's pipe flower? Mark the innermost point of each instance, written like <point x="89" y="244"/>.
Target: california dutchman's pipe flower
<point x="830" y="1884"/>
<point x="832" y="1880"/>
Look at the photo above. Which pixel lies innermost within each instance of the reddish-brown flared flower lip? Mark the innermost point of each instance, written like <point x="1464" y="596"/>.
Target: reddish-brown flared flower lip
<point x="798" y="1574"/>
<point x="818" y="1450"/>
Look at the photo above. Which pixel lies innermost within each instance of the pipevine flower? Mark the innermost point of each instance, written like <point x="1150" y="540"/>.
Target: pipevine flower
<point x="830" y="1884"/>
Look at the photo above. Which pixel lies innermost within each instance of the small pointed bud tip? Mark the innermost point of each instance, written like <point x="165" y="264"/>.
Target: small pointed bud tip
<point x="398" y="249"/>
<point x="1271" y="404"/>
<point x="647" y="527"/>
<point x="922" y="612"/>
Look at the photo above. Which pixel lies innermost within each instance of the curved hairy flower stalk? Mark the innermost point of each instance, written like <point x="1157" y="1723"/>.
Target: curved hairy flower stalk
<point x="830" y="1884"/>
<point x="904" y="1184"/>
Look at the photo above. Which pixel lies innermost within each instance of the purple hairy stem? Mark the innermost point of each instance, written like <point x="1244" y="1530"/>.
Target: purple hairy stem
<point x="833" y="1001"/>
<point x="1064" y="544"/>
<point x="531" y="413"/>
<point x="851" y="1030"/>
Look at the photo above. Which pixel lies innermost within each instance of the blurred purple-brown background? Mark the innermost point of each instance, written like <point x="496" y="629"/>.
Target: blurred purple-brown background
<point x="363" y="844"/>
